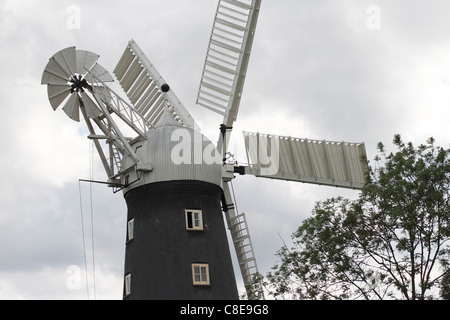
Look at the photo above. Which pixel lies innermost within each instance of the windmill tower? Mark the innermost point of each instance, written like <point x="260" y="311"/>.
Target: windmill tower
<point x="175" y="181"/>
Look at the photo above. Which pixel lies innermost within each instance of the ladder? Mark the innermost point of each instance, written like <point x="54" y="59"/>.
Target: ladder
<point x="237" y="224"/>
<point x="244" y="248"/>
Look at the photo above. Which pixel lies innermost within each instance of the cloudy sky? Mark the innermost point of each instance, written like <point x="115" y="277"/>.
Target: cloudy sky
<point x="353" y="70"/>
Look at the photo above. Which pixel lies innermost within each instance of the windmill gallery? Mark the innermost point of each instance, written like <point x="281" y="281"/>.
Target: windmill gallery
<point x="175" y="181"/>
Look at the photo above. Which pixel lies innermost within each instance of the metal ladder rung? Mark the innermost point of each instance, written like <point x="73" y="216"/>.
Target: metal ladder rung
<point x="238" y="4"/>
<point x="241" y="238"/>
<point x="238" y="217"/>
<point x="231" y="17"/>
<point x="230" y="24"/>
<point x="217" y="82"/>
<point x="216" y="88"/>
<point x="229" y="41"/>
<point x="247" y="259"/>
<point x="239" y="226"/>
<point x="217" y="75"/>
<point x="243" y="14"/>
<point x="225" y="46"/>
<point x="209" y="107"/>
<point x="221" y="68"/>
<point x="214" y="96"/>
<point x="246" y="262"/>
<point x="221" y="53"/>
<point x="244" y="254"/>
<point x="217" y="30"/>
<point x="210" y="103"/>
<point x="227" y="62"/>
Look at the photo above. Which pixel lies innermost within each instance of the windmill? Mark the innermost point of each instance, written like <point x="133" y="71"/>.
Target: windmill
<point x="175" y="181"/>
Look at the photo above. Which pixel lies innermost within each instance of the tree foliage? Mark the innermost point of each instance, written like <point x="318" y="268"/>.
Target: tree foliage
<point x="390" y="243"/>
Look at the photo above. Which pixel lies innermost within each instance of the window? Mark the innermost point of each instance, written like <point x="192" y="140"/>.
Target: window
<point x="130" y="230"/>
<point x="200" y="274"/>
<point x="194" y="220"/>
<point x="128" y="284"/>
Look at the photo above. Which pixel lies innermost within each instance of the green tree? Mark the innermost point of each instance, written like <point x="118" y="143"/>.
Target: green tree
<point x="390" y="243"/>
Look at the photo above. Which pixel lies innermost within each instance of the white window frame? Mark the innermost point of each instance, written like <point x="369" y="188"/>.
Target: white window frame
<point x="130" y="230"/>
<point x="200" y="274"/>
<point x="196" y="223"/>
<point x="127" y="284"/>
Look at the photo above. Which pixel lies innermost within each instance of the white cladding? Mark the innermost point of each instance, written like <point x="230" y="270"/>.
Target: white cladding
<point x="175" y="153"/>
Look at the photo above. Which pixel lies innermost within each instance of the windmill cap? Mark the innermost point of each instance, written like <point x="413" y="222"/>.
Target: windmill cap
<point x="175" y="153"/>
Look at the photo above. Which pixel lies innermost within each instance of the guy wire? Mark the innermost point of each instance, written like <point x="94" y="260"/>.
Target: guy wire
<point x="91" y="169"/>
<point x="84" y="243"/>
